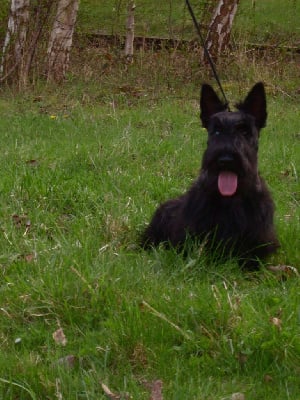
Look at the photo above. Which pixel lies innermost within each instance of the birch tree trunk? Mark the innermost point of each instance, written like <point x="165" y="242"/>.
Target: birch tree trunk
<point x="60" y="41"/>
<point x="220" y="27"/>
<point x="129" y="32"/>
<point x="14" y="47"/>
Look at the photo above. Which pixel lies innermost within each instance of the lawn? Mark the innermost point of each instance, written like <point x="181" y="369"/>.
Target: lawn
<point x="78" y="185"/>
<point x="84" y="312"/>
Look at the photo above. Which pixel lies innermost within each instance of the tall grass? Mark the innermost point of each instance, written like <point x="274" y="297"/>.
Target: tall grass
<point x="78" y="184"/>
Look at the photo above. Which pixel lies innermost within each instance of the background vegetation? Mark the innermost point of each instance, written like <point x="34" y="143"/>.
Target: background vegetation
<point x="83" y="167"/>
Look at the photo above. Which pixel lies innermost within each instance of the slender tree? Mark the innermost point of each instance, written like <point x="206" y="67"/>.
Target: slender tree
<point x="220" y="27"/>
<point x="60" y="41"/>
<point x="14" y="48"/>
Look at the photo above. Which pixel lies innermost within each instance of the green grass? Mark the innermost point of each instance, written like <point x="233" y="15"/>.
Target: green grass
<point x="82" y="182"/>
<point x="83" y="168"/>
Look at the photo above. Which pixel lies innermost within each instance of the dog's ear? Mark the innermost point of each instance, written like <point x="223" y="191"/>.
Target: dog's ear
<point x="209" y="104"/>
<point x="255" y="104"/>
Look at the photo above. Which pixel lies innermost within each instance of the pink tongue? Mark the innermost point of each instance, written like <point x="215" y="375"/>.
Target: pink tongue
<point x="227" y="183"/>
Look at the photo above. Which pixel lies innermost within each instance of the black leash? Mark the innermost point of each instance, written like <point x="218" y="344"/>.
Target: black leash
<point x="206" y="52"/>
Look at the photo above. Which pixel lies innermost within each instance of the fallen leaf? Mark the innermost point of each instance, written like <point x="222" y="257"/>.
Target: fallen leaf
<point x="108" y="392"/>
<point x="108" y="56"/>
<point x="19" y="220"/>
<point x="112" y="395"/>
<point x="155" y="389"/>
<point x="68" y="361"/>
<point x="268" y="378"/>
<point x="242" y="358"/>
<point x="238" y="396"/>
<point x="276" y="322"/>
<point x="139" y="355"/>
<point x="59" y="337"/>
<point x="22" y="221"/>
<point x="286" y="270"/>
<point x="286" y="172"/>
<point x="37" y="99"/>
<point x="29" y="257"/>
<point x="32" y="163"/>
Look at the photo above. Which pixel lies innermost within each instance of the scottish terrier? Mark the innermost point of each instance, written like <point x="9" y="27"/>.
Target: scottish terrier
<point x="229" y="207"/>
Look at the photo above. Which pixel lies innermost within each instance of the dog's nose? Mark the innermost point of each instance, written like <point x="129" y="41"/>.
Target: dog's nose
<point x="225" y="160"/>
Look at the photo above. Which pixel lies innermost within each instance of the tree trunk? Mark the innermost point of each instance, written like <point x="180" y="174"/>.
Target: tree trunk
<point x="60" y="41"/>
<point x="129" y="32"/>
<point x="220" y="28"/>
<point x="14" y="48"/>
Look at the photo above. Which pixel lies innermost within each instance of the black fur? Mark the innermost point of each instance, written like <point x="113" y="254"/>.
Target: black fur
<point x="241" y="220"/>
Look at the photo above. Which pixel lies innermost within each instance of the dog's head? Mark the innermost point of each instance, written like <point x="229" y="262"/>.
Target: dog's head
<point x="231" y="154"/>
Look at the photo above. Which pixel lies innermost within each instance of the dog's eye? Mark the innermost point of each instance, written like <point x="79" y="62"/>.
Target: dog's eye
<point x="217" y="133"/>
<point x="242" y="129"/>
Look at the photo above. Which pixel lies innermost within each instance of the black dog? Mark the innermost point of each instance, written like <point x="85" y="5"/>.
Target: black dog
<point x="228" y="206"/>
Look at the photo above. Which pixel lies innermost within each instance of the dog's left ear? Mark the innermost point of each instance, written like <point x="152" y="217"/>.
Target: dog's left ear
<point x="255" y="104"/>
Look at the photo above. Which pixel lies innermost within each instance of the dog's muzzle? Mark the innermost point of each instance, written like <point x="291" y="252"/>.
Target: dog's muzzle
<point x="226" y="161"/>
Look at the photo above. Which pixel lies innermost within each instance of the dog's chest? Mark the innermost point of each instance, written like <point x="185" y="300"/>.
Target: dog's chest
<point x="229" y="217"/>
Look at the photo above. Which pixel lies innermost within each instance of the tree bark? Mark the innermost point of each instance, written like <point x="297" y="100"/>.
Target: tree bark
<point x="14" y="47"/>
<point x="129" y="32"/>
<point x="60" y="41"/>
<point x="220" y="28"/>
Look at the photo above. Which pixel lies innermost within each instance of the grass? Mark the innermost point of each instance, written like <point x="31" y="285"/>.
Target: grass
<point x="83" y="167"/>
<point x="78" y="185"/>
<point x="264" y="22"/>
<point x="255" y="23"/>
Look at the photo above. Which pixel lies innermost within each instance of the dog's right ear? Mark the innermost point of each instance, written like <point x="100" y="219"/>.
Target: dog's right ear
<point x="209" y="104"/>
